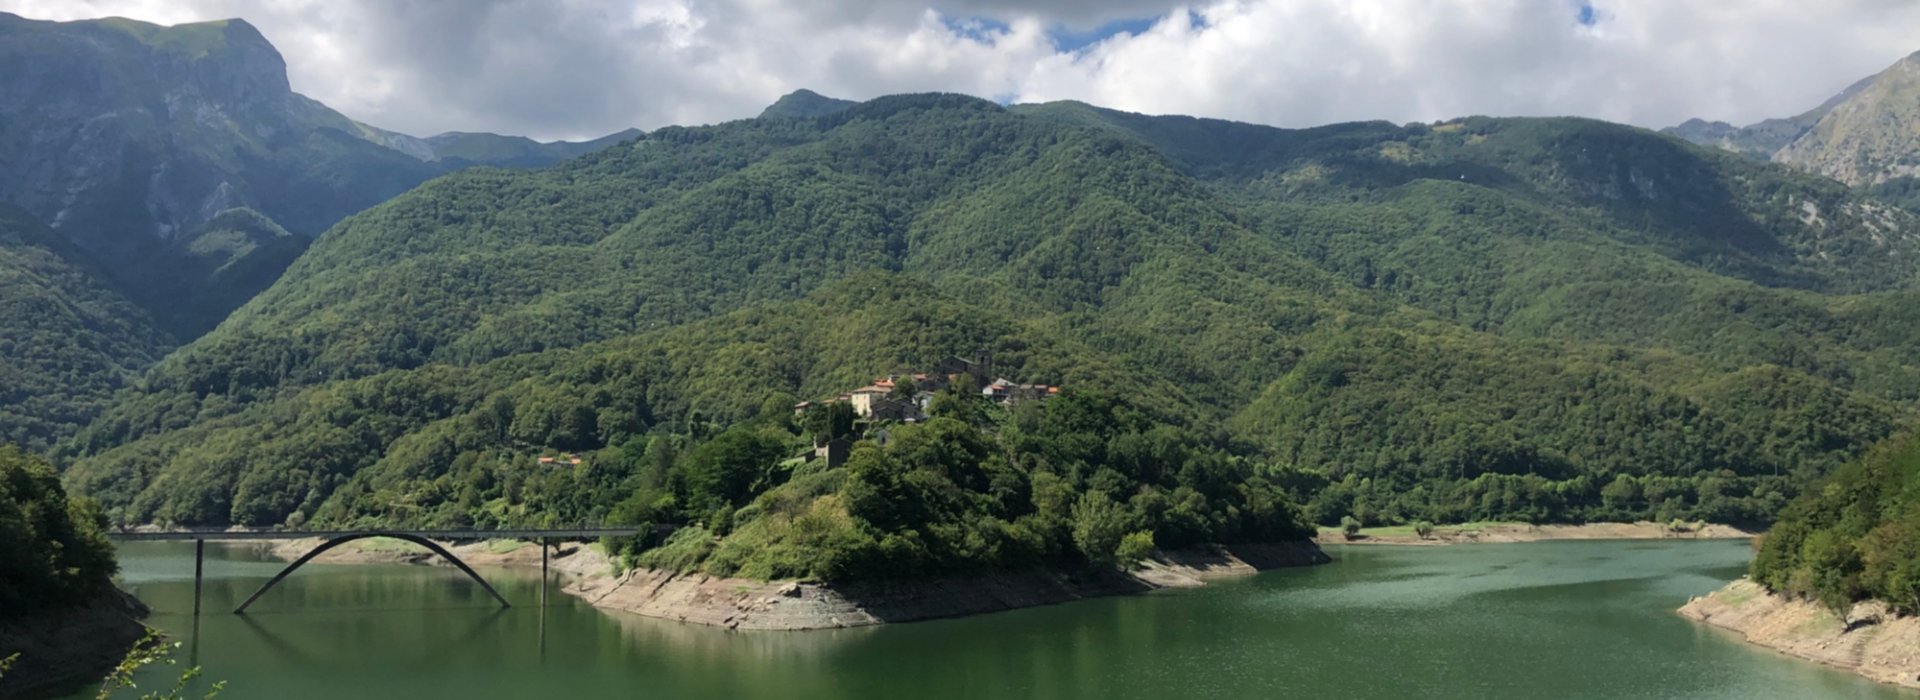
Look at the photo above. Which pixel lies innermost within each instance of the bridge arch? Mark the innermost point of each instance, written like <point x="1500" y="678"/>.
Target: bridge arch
<point x="343" y="539"/>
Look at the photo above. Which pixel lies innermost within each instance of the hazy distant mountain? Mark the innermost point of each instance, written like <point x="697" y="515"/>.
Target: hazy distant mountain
<point x="1871" y="136"/>
<point x="1866" y="136"/>
<point x="130" y="139"/>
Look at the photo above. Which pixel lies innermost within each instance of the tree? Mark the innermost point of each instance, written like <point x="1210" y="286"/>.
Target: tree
<point x="1099" y="525"/>
<point x="53" y="550"/>
<point x="1350" y="526"/>
<point x="831" y="421"/>
<point x="1423" y="529"/>
<point x="905" y="389"/>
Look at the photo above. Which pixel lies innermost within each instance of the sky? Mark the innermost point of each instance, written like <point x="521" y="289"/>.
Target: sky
<point x="582" y="68"/>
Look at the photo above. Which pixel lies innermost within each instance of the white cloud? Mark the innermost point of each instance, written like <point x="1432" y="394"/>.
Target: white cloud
<point x="580" y="68"/>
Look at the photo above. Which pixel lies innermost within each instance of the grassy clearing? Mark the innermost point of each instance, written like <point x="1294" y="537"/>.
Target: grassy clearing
<point x="1737" y="596"/>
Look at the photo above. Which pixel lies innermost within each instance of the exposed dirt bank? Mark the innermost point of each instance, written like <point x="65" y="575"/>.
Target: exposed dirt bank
<point x="570" y="558"/>
<point x="758" y="605"/>
<point x="62" y="651"/>
<point x="1523" y="532"/>
<point x="1869" y="641"/>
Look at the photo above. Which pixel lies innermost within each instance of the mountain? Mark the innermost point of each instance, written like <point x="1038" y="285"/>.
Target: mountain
<point x="803" y="104"/>
<point x="1870" y="137"/>
<point x="1866" y="136"/>
<point x="1542" y="319"/>
<point x="1766" y="138"/>
<point x="130" y="139"/>
<point x="68" y="340"/>
<point x="514" y="151"/>
<point x="1855" y="538"/>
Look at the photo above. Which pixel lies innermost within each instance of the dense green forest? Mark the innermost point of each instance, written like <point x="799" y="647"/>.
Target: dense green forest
<point x="1548" y="320"/>
<point x="1856" y="536"/>
<point x="68" y="340"/>
<point x="53" y="550"/>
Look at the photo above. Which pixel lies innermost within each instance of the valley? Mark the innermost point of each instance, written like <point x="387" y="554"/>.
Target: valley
<point x="926" y="355"/>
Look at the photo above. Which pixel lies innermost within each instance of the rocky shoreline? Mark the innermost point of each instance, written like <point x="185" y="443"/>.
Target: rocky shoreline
<point x="62" y="651"/>
<point x="746" y="604"/>
<point x="1508" y="533"/>
<point x="757" y="605"/>
<point x="1869" y="641"/>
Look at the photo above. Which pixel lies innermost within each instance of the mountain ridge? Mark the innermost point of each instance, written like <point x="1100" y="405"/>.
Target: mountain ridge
<point x="1484" y="318"/>
<point x="1867" y="135"/>
<point x="129" y="136"/>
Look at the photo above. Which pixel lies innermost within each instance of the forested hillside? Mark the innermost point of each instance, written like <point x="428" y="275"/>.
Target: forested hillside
<point x="1855" y="537"/>
<point x="67" y="340"/>
<point x="1537" y="319"/>
<point x="170" y="173"/>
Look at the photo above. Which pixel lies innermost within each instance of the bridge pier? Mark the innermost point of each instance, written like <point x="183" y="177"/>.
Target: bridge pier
<point x="199" y="556"/>
<point x="343" y="539"/>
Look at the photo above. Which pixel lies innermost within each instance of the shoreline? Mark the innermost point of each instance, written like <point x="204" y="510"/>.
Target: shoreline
<point x="66" y="650"/>
<point x="745" y="604"/>
<point x="1868" y="642"/>
<point x="1510" y="533"/>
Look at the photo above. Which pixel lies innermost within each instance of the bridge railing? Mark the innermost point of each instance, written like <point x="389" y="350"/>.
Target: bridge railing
<point x="452" y="534"/>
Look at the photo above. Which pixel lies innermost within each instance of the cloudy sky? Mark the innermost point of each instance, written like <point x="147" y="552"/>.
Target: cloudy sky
<point x="574" y="68"/>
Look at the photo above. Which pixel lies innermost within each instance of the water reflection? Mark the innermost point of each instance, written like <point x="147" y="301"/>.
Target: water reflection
<point x="1587" y="620"/>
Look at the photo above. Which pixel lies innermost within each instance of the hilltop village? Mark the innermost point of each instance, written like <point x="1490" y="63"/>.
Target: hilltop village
<point x="906" y="397"/>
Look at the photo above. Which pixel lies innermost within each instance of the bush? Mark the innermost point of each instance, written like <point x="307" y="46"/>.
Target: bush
<point x="1424" y="529"/>
<point x="1351" y="526"/>
<point x="682" y="552"/>
<point x="1134" y="548"/>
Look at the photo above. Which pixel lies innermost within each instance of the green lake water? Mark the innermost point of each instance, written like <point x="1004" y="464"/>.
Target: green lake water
<point x="1541" y="620"/>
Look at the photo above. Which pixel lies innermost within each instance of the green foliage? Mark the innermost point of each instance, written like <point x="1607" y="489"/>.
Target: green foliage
<point x="1350" y="526"/>
<point x="68" y="341"/>
<point x="1857" y="536"/>
<point x="150" y="650"/>
<point x="1133" y="549"/>
<point x="1538" y="320"/>
<point x="1099" y="526"/>
<point x="53" y="550"/>
<point x="1423" y="529"/>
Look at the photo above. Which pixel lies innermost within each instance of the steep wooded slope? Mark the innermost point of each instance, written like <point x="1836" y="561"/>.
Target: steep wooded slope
<point x="1471" y="320"/>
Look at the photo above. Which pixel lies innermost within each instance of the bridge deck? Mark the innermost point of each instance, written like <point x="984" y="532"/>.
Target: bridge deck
<point x="505" y="534"/>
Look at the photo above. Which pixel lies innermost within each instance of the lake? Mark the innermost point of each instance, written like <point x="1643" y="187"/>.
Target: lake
<point x="1540" y="620"/>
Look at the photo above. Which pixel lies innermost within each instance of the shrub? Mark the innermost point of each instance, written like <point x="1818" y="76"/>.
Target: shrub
<point x="1133" y="549"/>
